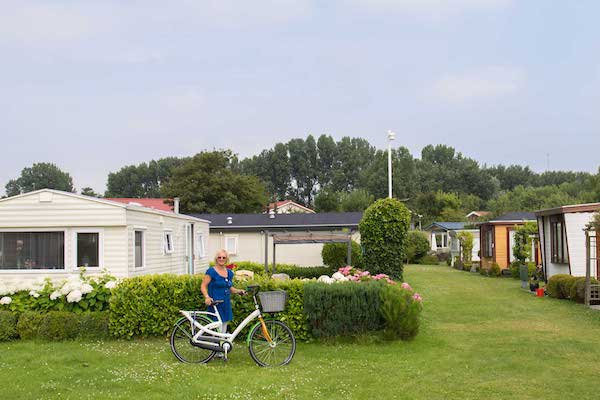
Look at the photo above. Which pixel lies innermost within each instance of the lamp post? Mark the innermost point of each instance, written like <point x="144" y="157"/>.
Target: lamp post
<point x="391" y="136"/>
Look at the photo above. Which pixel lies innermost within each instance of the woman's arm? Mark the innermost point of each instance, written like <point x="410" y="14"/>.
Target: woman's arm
<point x="237" y="291"/>
<point x="204" y="289"/>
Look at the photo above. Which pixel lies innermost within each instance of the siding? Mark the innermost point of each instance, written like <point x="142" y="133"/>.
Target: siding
<point x="251" y="247"/>
<point x="155" y="260"/>
<point x="501" y="245"/>
<point x="62" y="210"/>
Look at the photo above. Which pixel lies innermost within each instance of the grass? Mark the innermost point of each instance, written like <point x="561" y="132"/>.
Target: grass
<point x="481" y="338"/>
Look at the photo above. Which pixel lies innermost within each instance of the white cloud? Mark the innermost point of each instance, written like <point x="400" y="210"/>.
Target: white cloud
<point x="488" y="83"/>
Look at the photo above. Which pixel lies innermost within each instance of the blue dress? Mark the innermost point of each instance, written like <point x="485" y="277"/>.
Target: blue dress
<point x="218" y="289"/>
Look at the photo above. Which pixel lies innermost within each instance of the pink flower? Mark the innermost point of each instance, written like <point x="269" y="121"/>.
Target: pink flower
<point x="417" y="297"/>
<point x="405" y="286"/>
<point x="365" y="273"/>
<point x="391" y="282"/>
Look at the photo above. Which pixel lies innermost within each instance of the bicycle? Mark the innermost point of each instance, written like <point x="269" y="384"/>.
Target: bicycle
<point x="270" y="342"/>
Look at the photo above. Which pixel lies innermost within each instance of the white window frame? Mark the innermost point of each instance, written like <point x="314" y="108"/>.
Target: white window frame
<point x="226" y="246"/>
<point x="167" y="250"/>
<point x="100" y="233"/>
<point x="143" y="231"/>
<point x="200" y="245"/>
<point x="37" y="271"/>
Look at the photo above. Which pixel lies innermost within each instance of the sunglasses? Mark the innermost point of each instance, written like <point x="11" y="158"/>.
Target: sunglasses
<point x="221" y="258"/>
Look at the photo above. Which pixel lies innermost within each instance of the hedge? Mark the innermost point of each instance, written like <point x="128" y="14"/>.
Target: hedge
<point x="334" y="255"/>
<point x="8" y="326"/>
<point x="294" y="271"/>
<point x="149" y="305"/>
<point x="559" y="286"/>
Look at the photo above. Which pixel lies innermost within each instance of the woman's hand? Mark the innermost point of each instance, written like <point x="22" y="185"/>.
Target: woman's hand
<point x="208" y="300"/>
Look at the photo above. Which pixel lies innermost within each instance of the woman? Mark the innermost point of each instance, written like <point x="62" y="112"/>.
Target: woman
<point x="217" y="284"/>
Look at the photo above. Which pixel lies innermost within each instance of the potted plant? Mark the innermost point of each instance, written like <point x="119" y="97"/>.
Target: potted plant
<point x="533" y="284"/>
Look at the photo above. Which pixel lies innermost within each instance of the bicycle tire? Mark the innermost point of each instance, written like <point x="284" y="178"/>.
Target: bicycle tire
<point x="279" y="352"/>
<point x="181" y="344"/>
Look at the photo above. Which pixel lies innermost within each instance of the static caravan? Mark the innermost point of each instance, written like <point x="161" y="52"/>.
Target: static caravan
<point x="438" y="234"/>
<point x="562" y="236"/>
<point x="498" y="238"/>
<point x="248" y="237"/>
<point x="50" y="233"/>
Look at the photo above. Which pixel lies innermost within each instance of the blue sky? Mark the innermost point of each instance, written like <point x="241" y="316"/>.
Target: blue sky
<point x="96" y="85"/>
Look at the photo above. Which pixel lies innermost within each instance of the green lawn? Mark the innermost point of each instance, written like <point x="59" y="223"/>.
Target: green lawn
<point x="481" y="338"/>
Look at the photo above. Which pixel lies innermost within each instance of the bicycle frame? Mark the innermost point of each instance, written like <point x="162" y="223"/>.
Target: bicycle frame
<point x="208" y="329"/>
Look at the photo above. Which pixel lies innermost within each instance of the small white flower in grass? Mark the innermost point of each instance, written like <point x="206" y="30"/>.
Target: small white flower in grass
<point x="55" y="295"/>
<point x="86" y="288"/>
<point x="74" y="296"/>
<point x="110" y="285"/>
<point x="34" y="293"/>
<point x="5" y="300"/>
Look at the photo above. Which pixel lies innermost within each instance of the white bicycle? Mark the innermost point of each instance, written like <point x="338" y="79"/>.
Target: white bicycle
<point x="196" y="338"/>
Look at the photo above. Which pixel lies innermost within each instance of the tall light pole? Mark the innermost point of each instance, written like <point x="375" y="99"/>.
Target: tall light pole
<point x="391" y="136"/>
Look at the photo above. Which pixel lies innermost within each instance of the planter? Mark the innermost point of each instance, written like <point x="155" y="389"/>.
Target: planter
<point x="540" y="292"/>
<point x="533" y="286"/>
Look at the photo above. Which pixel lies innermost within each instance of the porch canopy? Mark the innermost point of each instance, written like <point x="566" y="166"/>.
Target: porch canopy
<point x="305" y="237"/>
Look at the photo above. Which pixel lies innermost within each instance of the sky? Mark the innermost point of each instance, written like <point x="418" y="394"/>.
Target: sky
<point x="96" y="85"/>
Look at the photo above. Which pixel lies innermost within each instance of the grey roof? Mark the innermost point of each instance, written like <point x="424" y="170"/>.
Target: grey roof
<point x="317" y="221"/>
<point x="516" y="216"/>
<point x="449" y="226"/>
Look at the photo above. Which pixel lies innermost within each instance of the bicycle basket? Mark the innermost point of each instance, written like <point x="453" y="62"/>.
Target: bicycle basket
<point x="273" y="301"/>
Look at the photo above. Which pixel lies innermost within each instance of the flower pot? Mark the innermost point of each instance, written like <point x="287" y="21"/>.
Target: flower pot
<point x="539" y="292"/>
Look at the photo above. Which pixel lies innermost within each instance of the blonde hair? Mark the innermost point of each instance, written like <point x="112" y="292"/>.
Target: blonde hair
<point x="222" y="251"/>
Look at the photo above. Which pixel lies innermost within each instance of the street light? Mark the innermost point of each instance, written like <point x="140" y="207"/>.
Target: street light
<point x="391" y="136"/>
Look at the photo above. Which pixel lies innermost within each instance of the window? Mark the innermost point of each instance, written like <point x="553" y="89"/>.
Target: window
<point x="231" y="244"/>
<point x="88" y="249"/>
<point x="200" y="249"/>
<point x="139" y="249"/>
<point x="488" y="241"/>
<point x="32" y="250"/>
<point x="168" y="242"/>
<point x="441" y="239"/>
<point x="558" y="241"/>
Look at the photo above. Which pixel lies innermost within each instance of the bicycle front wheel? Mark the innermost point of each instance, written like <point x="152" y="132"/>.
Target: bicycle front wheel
<point x="182" y="345"/>
<point x="276" y="352"/>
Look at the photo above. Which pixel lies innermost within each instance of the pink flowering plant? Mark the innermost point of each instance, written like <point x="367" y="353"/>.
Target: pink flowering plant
<point x="357" y="275"/>
<point x="400" y="307"/>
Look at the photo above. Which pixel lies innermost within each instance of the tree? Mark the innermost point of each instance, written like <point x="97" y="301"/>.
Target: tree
<point x="327" y="201"/>
<point x="40" y="176"/>
<point x="466" y="243"/>
<point x="88" y="191"/>
<point x="383" y="230"/>
<point x="417" y="246"/>
<point x="356" y="200"/>
<point x="523" y="241"/>
<point x="142" y="180"/>
<point x="210" y="183"/>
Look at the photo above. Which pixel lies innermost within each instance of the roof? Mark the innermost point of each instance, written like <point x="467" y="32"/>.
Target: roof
<point x="518" y="216"/>
<point x="478" y="213"/>
<point x="575" y="208"/>
<point x="318" y="221"/>
<point x="282" y="203"/>
<point x="449" y="226"/>
<point x="127" y="206"/>
<point x="157" y="204"/>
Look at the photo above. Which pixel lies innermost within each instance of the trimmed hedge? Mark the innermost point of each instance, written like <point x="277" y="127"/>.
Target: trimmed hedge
<point x="383" y="230"/>
<point x="149" y="305"/>
<point x="559" y="286"/>
<point x="94" y="325"/>
<point x="400" y="312"/>
<point x="342" y="308"/>
<point x="294" y="271"/>
<point x="29" y="324"/>
<point x="59" y="325"/>
<point x="8" y="326"/>
<point x="334" y="255"/>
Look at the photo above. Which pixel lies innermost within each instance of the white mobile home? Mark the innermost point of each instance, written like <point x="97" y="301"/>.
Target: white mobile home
<point x="49" y="233"/>
<point x="244" y="235"/>
<point x="562" y="237"/>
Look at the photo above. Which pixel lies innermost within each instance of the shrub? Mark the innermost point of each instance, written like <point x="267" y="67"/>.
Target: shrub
<point x="59" y="325"/>
<point x="295" y="271"/>
<point x="430" y="259"/>
<point x="334" y="255"/>
<point x="467" y="266"/>
<point x="342" y="308"/>
<point x="94" y="325"/>
<point x="559" y="286"/>
<point x="29" y="324"/>
<point x="495" y="270"/>
<point x="449" y="261"/>
<point x="523" y="240"/>
<point x="416" y="247"/>
<point x="383" y="231"/>
<point x="149" y="305"/>
<point x="577" y="292"/>
<point x="400" y="311"/>
<point x="8" y="326"/>
<point x="466" y="243"/>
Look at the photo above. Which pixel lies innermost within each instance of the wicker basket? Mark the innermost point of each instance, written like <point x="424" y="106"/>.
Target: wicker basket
<point x="273" y="301"/>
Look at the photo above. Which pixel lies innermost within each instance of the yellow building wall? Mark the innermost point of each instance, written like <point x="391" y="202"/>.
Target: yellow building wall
<point x="501" y="246"/>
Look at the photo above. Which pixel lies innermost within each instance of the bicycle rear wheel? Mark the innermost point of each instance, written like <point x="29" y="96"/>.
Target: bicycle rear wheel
<point x="279" y="351"/>
<point x="181" y="342"/>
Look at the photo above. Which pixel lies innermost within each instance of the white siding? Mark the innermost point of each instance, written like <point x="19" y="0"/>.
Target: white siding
<point x="575" y="223"/>
<point x="251" y="247"/>
<point x="62" y="210"/>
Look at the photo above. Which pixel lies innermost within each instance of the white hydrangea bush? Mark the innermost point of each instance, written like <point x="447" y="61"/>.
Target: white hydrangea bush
<point x="77" y="293"/>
